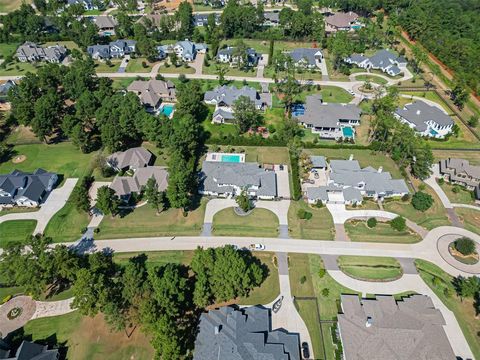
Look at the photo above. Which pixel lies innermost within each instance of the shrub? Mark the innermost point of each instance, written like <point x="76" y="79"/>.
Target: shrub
<point x="303" y="279"/>
<point x="301" y="213"/>
<point x="319" y="204"/>
<point x="422" y="187"/>
<point x="325" y="292"/>
<point x="441" y="181"/>
<point x="446" y="292"/>
<point x="464" y="246"/>
<point x="144" y="64"/>
<point x="372" y="222"/>
<point x="321" y="273"/>
<point x="399" y="223"/>
<point x="96" y="230"/>
<point x="308" y="215"/>
<point x="422" y="201"/>
<point x="456" y="189"/>
<point x="406" y="197"/>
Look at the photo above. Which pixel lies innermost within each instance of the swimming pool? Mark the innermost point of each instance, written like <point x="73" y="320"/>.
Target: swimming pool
<point x="347" y="132"/>
<point x="356" y="27"/>
<point x="231" y="158"/>
<point x="167" y="109"/>
<point x="433" y="132"/>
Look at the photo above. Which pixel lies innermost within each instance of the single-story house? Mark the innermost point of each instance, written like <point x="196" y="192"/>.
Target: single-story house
<point x="223" y="97"/>
<point x="115" y="49"/>
<point x="306" y="57"/>
<point x="329" y="120"/>
<point x="384" y="328"/>
<point x="229" y="179"/>
<point x="425" y="119"/>
<point x="341" y="21"/>
<point x="26" y="189"/>
<point x="153" y="92"/>
<point x="272" y="18"/>
<point x="460" y="171"/>
<point x="87" y="4"/>
<point x="30" y="351"/>
<point x="226" y="55"/>
<point x="384" y="60"/>
<point x="231" y="333"/>
<point x="31" y="52"/>
<point x="125" y="186"/>
<point x="106" y="25"/>
<point x="131" y="159"/>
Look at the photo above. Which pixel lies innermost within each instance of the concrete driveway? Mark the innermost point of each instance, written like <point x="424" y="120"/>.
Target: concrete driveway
<point x="55" y="201"/>
<point x="283" y="182"/>
<point x="261" y="66"/>
<point x="197" y="64"/>
<point x="124" y="64"/>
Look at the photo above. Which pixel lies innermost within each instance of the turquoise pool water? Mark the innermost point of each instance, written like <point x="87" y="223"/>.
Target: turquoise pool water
<point x="433" y="132"/>
<point x="167" y="109"/>
<point x="356" y="27"/>
<point x="231" y="158"/>
<point x="347" y="132"/>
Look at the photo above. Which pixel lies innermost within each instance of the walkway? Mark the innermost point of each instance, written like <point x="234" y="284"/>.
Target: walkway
<point x="55" y="201"/>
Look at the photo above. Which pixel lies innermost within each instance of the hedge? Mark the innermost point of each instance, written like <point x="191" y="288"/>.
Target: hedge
<point x="297" y="187"/>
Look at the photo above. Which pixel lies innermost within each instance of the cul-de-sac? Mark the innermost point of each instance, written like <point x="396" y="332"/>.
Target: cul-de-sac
<point x="239" y="180"/>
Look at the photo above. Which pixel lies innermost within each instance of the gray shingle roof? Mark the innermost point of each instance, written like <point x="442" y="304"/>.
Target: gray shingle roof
<point x="341" y="19"/>
<point x="246" y="334"/>
<point x="320" y="114"/>
<point x="125" y="185"/>
<point x="31" y="351"/>
<point x="105" y="22"/>
<point x="229" y="94"/>
<point x="135" y="158"/>
<point x="29" y="50"/>
<point x="152" y="91"/>
<point x="403" y="330"/>
<point x="18" y="184"/>
<point x="318" y="161"/>
<point x="419" y="112"/>
<point x="310" y="55"/>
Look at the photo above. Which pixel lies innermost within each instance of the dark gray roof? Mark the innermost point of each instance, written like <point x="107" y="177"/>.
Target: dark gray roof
<point x="310" y="55"/>
<point x="230" y="334"/>
<point x="229" y="94"/>
<point x="227" y="115"/>
<point x="383" y="58"/>
<point x="272" y="16"/>
<point x="318" y="161"/>
<point x="5" y="87"/>
<point x="419" y="112"/>
<point x="382" y="328"/>
<point x="21" y="184"/>
<point x="31" y="351"/>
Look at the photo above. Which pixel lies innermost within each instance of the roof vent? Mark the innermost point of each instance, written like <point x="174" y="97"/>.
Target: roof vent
<point x="351" y="157"/>
<point x="369" y="322"/>
<point x="217" y="329"/>
<point x="380" y="169"/>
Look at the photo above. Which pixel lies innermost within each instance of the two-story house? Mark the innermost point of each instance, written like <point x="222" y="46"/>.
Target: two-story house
<point x="31" y="52"/>
<point x="460" y="171"/>
<point x="115" y="49"/>
<point x="383" y="60"/>
<point x="228" y="56"/>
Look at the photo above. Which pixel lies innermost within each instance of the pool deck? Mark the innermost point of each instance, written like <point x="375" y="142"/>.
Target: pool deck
<point x="219" y="157"/>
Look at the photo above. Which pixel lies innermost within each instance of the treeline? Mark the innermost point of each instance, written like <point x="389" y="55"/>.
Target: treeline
<point x="165" y="301"/>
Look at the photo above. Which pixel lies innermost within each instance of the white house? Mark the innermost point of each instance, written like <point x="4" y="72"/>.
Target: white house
<point x="226" y="55"/>
<point x="383" y="60"/>
<point x="309" y="58"/>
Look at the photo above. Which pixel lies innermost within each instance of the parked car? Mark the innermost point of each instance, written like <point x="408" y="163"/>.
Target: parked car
<point x="305" y="350"/>
<point x="257" y="247"/>
<point x="277" y="305"/>
<point x="315" y="175"/>
<point x="351" y="92"/>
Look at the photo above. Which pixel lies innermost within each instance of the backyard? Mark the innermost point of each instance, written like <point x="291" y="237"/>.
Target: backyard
<point x="260" y="154"/>
<point x="368" y="268"/>
<point x="259" y="223"/>
<point x="14" y="68"/>
<point x="359" y="231"/>
<point x="319" y="227"/>
<point x="16" y="231"/>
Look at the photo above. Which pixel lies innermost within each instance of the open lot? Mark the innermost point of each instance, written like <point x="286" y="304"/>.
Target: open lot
<point x="103" y="67"/>
<point x="176" y="70"/>
<point x="231" y="71"/>
<point x="330" y="94"/>
<point x="136" y="65"/>
<point x="67" y="224"/>
<point x="260" y="223"/>
<point x="370" y="268"/>
<point x="383" y="232"/>
<point x="319" y="227"/>
<point x="472" y="156"/>
<point x="16" y="231"/>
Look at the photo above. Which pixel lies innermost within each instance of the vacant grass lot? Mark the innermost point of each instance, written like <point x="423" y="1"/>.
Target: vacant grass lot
<point x="122" y="83"/>
<point x="67" y="224"/>
<point x="143" y="221"/>
<point x="462" y="308"/>
<point x="102" y="67"/>
<point x="231" y="71"/>
<point x="7" y="49"/>
<point x="19" y="68"/>
<point x="464" y="196"/>
<point x="470" y="217"/>
<point x="319" y="227"/>
<point x="330" y="94"/>
<point x="383" y="232"/>
<point x="260" y="223"/>
<point x="136" y="66"/>
<point x="262" y="46"/>
<point x="370" y="268"/>
<point x="176" y="70"/>
<point x="16" y="231"/>
<point x="70" y="45"/>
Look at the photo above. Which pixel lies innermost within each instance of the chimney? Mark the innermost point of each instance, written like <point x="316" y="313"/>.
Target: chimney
<point x="369" y="322"/>
<point x="380" y="169"/>
<point x="351" y="157"/>
<point x="217" y="329"/>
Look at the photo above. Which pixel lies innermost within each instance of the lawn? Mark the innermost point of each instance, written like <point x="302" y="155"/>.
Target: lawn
<point x="299" y="75"/>
<point x="122" y="83"/>
<point x="463" y="309"/>
<point x="67" y="224"/>
<point x="370" y="268"/>
<point x="260" y="223"/>
<point x="17" y="209"/>
<point x="212" y="70"/>
<point x="263" y="46"/>
<point x="7" y="49"/>
<point x="371" y="78"/>
<point x="260" y="154"/>
<point x="463" y="196"/>
<point x="470" y="217"/>
<point x="176" y="70"/>
<point x="157" y="258"/>
<point x="10" y="5"/>
<point x="63" y="158"/>
<point x="144" y="221"/>
<point x="18" y="68"/>
<point x="136" y="66"/>
<point x="102" y="67"/>
<point x="383" y="232"/>
<point x="472" y="156"/>
<point x="16" y="231"/>
<point x="330" y="94"/>
<point x="320" y="226"/>
<point x="70" y="45"/>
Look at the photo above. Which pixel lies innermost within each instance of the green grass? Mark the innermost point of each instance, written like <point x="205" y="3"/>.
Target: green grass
<point x="157" y="258"/>
<point x="143" y="222"/>
<point x="11" y="5"/>
<point x="263" y="46"/>
<point x="383" y="232"/>
<point x="102" y="67"/>
<point x="8" y="49"/>
<point x="122" y="83"/>
<point x="212" y="70"/>
<point x="463" y="310"/>
<point x="16" y="231"/>
<point x="370" y="268"/>
<point x="470" y="217"/>
<point x="62" y="158"/>
<point x="330" y="94"/>
<point x="319" y="227"/>
<point x="176" y="70"/>
<point x="16" y="209"/>
<point x="18" y="68"/>
<point x="464" y="196"/>
<point x="371" y="78"/>
<point x="135" y="66"/>
<point x="269" y="72"/>
<point x="67" y="224"/>
<point x="262" y="155"/>
<point x="68" y="44"/>
<point x="260" y="223"/>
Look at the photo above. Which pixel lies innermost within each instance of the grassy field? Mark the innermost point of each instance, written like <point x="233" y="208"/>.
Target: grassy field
<point x="212" y="70"/>
<point x="370" y="268"/>
<point x="371" y="78"/>
<point x="102" y="67"/>
<point x="16" y="231"/>
<point x="472" y="156"/>
<point x="10" y="5"/>
<point x="62" y="158"/>
<point x="135" y="66"/>
<point x="330" y="94"/>
<point x="262" y="46"/>
<point x="269" y="72"/>
<point x="7" y="49"/>
<point x="260" y="223"/>
<point x="463" y="309"/>
<point x="16" y="209"/>
<point x="320" y="226"/>
<point x="464" y="196"/>
<point x="470" y="217"/>
<point x="176" y="70"/>
<point x="383" y="232"/>
<point x="18" y="68"/>
<point x="122" y="83"/>
<point x="143" y="221"/>
<point x="67" y="224"/>
<point x="70" y="45"/>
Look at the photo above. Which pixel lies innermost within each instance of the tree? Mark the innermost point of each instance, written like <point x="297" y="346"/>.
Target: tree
<point x="465" y="246"/>
<point x="459" y="95"/>
<point x="80" y="196"/>
<point x="181" y="180"/>
<point x="184" y="17"/>
<point x="221" y="70"/>
<point x="243" y="201"/>
<point x="473" y="121"/>
<point x="156" y="199"/>
<point x="48" y="110"/>
<point x="422" y="201"/>
<point x="399" y="223"/>
<point x="246" y="114"/>
<point x="372" y="222"/>
<point x="466" y="287"/>
<point x="190" y="99"/>
<point x="107" y="201"/>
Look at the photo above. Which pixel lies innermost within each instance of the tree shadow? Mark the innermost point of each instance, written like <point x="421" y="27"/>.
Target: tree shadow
<point x="15" y="339"/>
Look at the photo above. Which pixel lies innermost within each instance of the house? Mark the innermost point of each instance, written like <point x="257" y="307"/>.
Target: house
<point x="476" y="193"/>
<point x="272" y="18"/>
<point x="306" y="57"/>
<point x="87" y="4"/>
<point x="187" y="50"/>
<point x="153" y="92"/>
<point x="227" y="55"/>
<point x="5" y="88"/>
<point x="202" y="19"/>
<point x="425" y="119"/>
<point x="347" y="183"/>
<point x="229" y="179"/>
<point x="115" y="49"/>
<point x="31" y="351"/>
<point x="106" y="25"/>
<point x="131" y="159"/>
<point x="383" y="60"/>
<point x="318" y="162"/>
<point x="460" y="171"/>
<point x="329" y="120"/>
<point x="228" y="333"/>
<point x="125" y="186"/>
<point x="224" y="97"/>
<point x="26" y="189"/>
<point x="31" y="52"/>
<point x="345" y="21"/>
<point x="384" y="328"/>
<point x="151" y="19"/>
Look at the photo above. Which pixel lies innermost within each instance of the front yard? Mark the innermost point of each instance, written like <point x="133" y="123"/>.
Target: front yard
<point x="67" y="224"/>
<point x="358" y="230"/>
<point x="260" y="223"/>
<point x="319" y="227"/>
<point x="369" y="268"/>
<point x="463" y="196"/>
<point x="231" y="71"/>
<point x="176" y="70"/>
<point x="16" y="231"/>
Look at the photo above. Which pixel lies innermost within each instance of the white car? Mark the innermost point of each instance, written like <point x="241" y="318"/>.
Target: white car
<point x="351" y="92"/>
<point x="257" y="247"/>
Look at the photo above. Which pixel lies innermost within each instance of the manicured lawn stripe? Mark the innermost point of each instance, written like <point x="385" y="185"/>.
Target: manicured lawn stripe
<point x="383" y="232"/>
<point x="16" y="231"/>
<point x="370" y="268"/>
<point x="260" y="223"/>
